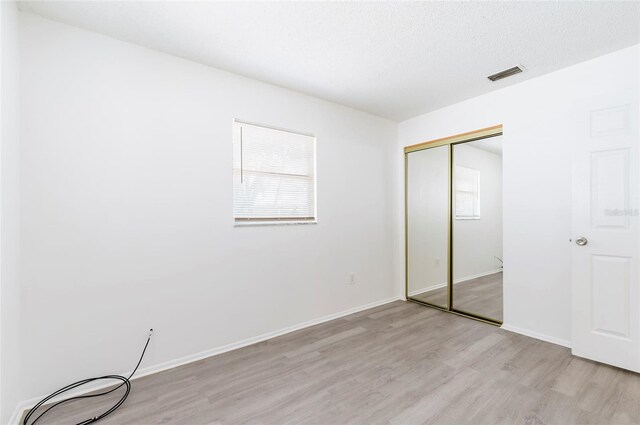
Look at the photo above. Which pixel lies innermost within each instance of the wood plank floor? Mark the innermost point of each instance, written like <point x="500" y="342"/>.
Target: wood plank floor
<point x="481" y="296"/>
<point x="400" y="363"/>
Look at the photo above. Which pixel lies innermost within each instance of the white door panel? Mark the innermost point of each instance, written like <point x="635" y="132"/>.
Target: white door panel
<point x="606" y="297"/>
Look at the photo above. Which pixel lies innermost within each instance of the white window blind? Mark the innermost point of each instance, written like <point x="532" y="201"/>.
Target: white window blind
<point x="467" y="184"/>
<point x="273" y="175"/>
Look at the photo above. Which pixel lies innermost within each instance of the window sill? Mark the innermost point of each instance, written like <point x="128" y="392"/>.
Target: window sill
<point x="272" y="223"/>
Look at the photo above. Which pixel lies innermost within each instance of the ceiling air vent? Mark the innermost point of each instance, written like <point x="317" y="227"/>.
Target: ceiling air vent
<point x="506" y="73"/>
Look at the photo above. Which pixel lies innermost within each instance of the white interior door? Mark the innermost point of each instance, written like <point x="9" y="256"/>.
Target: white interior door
<point x="606" y="237"/>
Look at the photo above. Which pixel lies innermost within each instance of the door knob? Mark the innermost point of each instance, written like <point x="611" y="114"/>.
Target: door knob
<point x="582" y="241"/>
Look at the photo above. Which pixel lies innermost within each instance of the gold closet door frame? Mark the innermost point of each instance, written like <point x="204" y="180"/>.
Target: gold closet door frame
<point x="483" y="133"/>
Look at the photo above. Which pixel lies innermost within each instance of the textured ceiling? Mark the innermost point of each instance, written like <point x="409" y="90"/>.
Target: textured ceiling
<point x="393" y="59"/>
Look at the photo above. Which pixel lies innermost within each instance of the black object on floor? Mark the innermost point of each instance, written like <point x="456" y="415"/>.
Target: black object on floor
<point x="126" y="381"/>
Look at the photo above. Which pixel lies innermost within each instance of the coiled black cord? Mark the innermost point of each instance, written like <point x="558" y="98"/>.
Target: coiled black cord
<point x="126" y="381"/>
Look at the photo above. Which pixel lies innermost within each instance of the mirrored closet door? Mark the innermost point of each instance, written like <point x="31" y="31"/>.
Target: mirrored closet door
<point x="477" y="228"/>
<point x="427" y="231"/>
<point x="453" y="205"/>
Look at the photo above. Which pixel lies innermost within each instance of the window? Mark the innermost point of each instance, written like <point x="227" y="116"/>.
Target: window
<point x="273" y="175"/>
<point x="467" y="184"/>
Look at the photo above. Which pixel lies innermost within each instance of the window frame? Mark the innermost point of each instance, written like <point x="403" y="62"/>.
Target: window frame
<point x="277" y="221"/>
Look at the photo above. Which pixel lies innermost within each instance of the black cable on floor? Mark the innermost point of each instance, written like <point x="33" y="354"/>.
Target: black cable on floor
<point x="126" y="381"/>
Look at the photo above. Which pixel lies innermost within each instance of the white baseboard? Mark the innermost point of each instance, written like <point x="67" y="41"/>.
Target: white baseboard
<point x="150" y="370"/>
<point x="536" y="335"/>
<point x="464" y="279"/>
<point x="430" y="288"/>
<point x="475" y="276"/>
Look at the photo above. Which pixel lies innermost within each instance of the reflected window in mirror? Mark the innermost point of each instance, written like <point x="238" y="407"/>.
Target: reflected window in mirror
<point x="467" y="193"/>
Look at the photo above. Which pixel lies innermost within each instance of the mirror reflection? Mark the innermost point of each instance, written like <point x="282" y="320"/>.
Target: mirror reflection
<point x="427" y="228"/>
<point x="477" y="227"/>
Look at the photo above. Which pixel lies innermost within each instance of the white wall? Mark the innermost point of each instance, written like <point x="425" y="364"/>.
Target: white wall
<point x="476" y="243"/>
<point x="126" y="186"/>
<point x="10" y="358"/>
<point x="536" y="179"/>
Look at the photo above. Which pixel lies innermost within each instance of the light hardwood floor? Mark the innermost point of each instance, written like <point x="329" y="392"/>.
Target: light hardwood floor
<point x="400" y="363"/>
<point x="481" y="296"/>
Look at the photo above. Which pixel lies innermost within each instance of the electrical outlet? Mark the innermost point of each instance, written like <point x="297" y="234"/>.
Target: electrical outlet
<point x="352" y="278"/>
